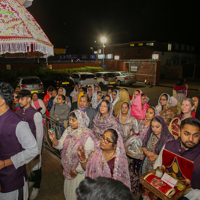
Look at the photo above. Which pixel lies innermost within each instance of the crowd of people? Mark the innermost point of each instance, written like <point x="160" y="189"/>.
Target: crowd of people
<point x="95" y="130"/>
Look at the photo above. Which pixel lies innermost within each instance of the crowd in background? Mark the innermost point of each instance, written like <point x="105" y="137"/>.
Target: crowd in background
<point x="96" y="128"/>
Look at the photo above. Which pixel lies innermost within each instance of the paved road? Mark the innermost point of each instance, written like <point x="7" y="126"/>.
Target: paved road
<point x="153" y="93"/>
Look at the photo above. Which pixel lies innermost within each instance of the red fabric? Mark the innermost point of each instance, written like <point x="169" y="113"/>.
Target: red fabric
<point x="130" y="97"/>
<point x="158" y="183"/>
<point x="181" y="87"/>
<point x="183" y="164"/>
<point x="193" y="114"/>
<point x="46" y="99"/>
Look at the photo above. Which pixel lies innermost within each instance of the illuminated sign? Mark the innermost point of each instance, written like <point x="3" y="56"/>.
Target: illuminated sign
<point x="109" y="56"/>
<point x="140" y="44"/>
<point x="101" y="56"/>
<point x="155" y="56"/>
<point x="116" y="57"/>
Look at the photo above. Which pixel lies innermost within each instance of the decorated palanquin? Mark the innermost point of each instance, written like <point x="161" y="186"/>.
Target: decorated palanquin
<point x="20" y="34"/>
<point x="172" y="180"/>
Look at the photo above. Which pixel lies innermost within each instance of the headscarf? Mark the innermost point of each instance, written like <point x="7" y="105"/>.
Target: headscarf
<point x="133" y="99"/>
<point x="97" y="165"/>
<point x="46" y="99"/>
<point x="144" y="128"/>
<point x="73" y="140"/>
<point x="117" y="98"/>
<point x="64" y="93"/>
<point x="110" y="121"/>
<point x="164" y="137"/>
<point x="79" y="96"/>
<point x="130" y="121"/>
<point x="94" y="100"/>
<point x="123" y="97"/>
<point x="74" y="95"/>
<point x="92" y="86"/>
<point x="137" y="110"/>
<point x="169" y="102"/>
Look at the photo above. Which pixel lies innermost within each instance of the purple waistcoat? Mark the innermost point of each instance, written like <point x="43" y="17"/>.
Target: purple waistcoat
<point x="192" y="154"/>
<point x="10" y="178"/>
<point x="28" y="116"/>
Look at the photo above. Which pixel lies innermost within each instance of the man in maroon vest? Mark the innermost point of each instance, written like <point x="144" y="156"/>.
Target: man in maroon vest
<point x="34" y="118"/>
<point x="17" y="147"/>
<point x="188" y="146"/>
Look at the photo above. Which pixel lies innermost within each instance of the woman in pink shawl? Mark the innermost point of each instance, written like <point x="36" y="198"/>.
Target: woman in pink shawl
<point x="75" y="135"/>
<point x="108" y="160"/>
<point x="105" y="120"/>
<point x="38" y="103"/>
<point x="139" y="106"/>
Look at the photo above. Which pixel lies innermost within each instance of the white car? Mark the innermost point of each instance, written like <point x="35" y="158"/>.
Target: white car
<point x="84" y="79"/>
<point x="124" y="77"/>
<point x="106" y="78"/>
<point x="31" y="83"/>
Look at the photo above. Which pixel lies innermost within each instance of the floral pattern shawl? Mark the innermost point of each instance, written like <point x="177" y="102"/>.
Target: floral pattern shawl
<point x="110" y="121"/>
<point x="137" y="110"/>
<point x="74" y="139"/>
<point x="164" y="137"/>
<point x="94" y="100"/>
<point x="46" y="99"/>
<point x="97" y="165"/>
<point x="130" y="125"/>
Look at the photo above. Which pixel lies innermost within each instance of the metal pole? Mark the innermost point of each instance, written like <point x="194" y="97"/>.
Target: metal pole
<point x="103" y="53"/>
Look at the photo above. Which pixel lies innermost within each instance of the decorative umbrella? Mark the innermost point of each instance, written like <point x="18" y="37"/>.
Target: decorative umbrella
<point x="20" y="34"/>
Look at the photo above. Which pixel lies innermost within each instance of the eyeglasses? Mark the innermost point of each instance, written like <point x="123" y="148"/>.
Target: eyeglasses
<point x="163" y="99"/>
<point x="106" y="140"/>
<point x="103" y="106"/>
<point x="59" y="98"/>
<point x="114" y="94"/>
<point x="100" y="95"/>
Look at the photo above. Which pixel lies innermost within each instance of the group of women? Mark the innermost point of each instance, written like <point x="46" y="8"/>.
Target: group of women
<point x="99" y="128"/>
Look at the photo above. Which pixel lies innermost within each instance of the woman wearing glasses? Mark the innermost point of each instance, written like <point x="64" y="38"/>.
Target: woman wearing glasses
<point x="108" y="160"/>
<point x="105" y="120"/>
<point x="166" y="107"/>
<point x="75" y="135"/>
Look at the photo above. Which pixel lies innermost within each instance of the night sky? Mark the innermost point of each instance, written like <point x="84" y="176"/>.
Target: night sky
<point x="77" y="24"/>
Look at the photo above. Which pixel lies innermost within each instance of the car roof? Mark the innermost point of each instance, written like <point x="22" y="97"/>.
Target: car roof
<point x="82" y="73"/>
<point x="104" y="72"/>
<point x="26" y="77"/>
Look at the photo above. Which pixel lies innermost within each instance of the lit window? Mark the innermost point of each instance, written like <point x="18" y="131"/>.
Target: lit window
<point x="95" y="52"/>
<point x="109" y="56"/>
<point x="132" y="45"/>
<point x="116" y="57"/>
<point x="140" y="44"/>
<point x="169" y="47"/>
<point x="99" y="51"/>
<point x="150" y="44"/>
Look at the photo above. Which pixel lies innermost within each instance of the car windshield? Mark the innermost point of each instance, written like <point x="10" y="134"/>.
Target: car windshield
<point x="31" y="81"/>
<point x="109" y="75"/>
<point x="127" y="74"/>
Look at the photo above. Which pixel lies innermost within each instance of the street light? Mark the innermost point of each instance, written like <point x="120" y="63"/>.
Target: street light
<point x="103" y="40"/>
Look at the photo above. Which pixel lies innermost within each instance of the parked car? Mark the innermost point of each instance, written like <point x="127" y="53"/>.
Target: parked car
<point x="31" y="83"/>
<point x="124" y="77"/>
<point x="106" y="78"/>
<point x="84" y="78"/>
<point x="58" y="80"/>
